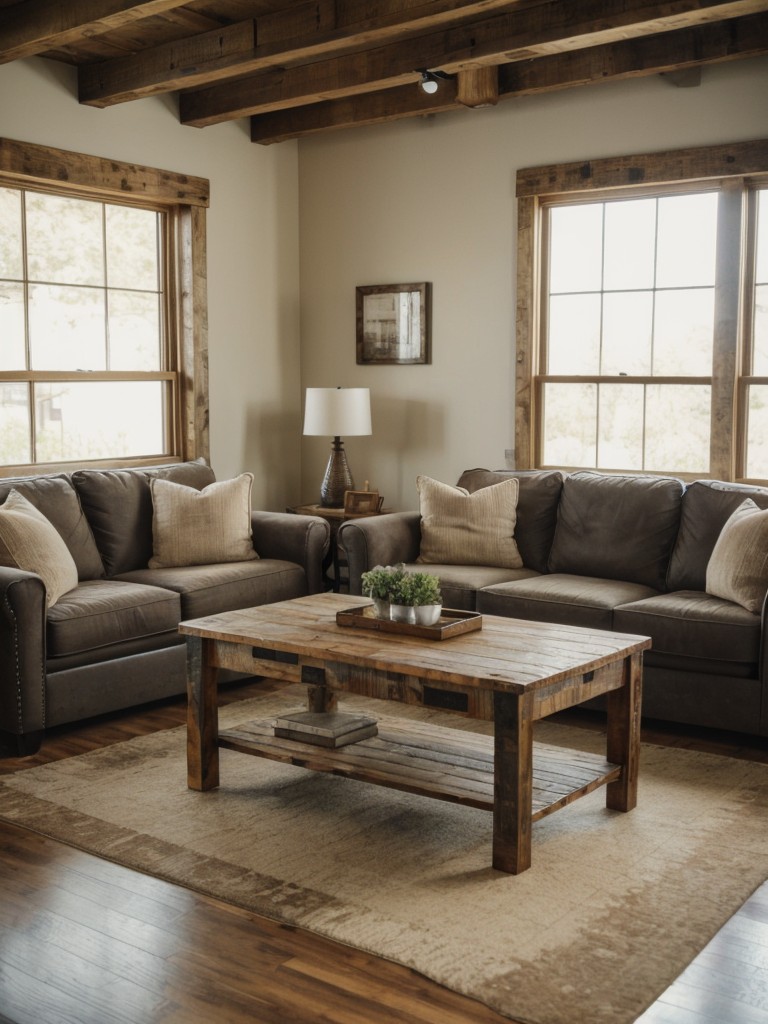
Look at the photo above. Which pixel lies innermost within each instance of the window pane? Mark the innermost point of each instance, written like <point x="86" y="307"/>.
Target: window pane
<point x="762" y="236"/>
<point x="630" y="242"/>
<point x="684" y="326"/>
<point x="11" y="259"/>
<point x="66" y="328"/>
<point x="132" y="248"/>
<point x="12" y="355"/>
<point x="574" y="334"/>
<point x="686" y="240"/>
<point x="760" y="320"/>
<point x="570" y="425"/>
<point x="760" y="325"/>
<point x="757" y="432"/>
<point x="14" y="424"/>
<point x="99" y="419"/>
<point x="627" y="332"/>
<point x="620" y="430"/>
<point x="576" y="239"/>
<point x="64" y="240"/>
<point x="677" y="418"/>
<point x="134" y="331"/>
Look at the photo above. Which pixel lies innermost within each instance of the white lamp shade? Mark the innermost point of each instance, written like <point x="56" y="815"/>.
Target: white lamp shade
<point x="337" y="412"/>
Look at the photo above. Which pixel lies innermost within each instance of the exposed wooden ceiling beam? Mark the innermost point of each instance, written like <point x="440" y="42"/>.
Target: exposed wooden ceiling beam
<point x="35" y="26"/>
<point x="353" y="111"/>
<point x="276" y="40"/>
<point x="666" y="52"/>
<point x="544" y="29"/>
<point x="206" y="57"/>
<point x="663" y="53"/>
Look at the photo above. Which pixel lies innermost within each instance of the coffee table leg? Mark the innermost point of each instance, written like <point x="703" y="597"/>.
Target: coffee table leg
<point x="513" y="782"/>
<point x="623" y="726"/>
<point x="202" y="716"/>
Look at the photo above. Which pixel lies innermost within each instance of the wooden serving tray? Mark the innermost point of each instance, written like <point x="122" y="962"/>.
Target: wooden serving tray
<point x="452" y="622"/>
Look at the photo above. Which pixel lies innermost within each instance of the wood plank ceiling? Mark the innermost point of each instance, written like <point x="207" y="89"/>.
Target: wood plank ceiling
<point x="304" y="67"/>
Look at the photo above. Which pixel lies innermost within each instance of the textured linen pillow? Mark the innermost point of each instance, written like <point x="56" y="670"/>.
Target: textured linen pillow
<point x="459" y="528"/>
<point x="738" y="566"/>
<point x="191" y="527"/>
<point x="30" y="542"/>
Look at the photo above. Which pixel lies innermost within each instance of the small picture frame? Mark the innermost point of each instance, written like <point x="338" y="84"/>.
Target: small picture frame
<point x="361" y="503"/>
<point x="393" y="323"/>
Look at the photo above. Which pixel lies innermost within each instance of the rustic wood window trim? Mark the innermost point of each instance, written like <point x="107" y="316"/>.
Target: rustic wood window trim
<point x="184" y="199"/>
<point x="735" y="170"/>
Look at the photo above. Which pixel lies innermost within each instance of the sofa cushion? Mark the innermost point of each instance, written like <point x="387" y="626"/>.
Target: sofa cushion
<point x="57" y="499"/>
<point x="29" y="542"/>
<point x="209" y="589"/>
<point x="572" y="600"/>
<point x="200" y="527"/>
<point x="459" y="583"/>
<point x="459" y="528"/>
<point x="537" y="501"/>
<point x="100" y="613"/>
<point x="738" y="568"/>
<point x="693" y="624"/>
<point x="706" y="506"/>
<point x="617" y="527"/>
<point x="118" y="505"/>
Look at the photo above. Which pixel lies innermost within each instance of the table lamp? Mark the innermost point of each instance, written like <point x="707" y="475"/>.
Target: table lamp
<point x="331" y="412"/>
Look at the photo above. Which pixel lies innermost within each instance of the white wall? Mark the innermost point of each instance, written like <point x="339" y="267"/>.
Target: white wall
<point x="253" y="305"/>
<point x="433" y="199"/>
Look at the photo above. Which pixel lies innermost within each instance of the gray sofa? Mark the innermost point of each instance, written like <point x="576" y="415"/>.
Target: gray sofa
<point x="112" y="642"/>
<point x="627" y="553"/>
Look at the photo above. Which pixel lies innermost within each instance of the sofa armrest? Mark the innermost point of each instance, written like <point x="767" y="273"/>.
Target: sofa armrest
<point x="22" y="660"/>
<point x="379" y="540"/>
<point x="300" y="539"/>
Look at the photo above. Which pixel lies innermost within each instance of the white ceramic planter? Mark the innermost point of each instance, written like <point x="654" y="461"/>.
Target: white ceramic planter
<point x="402" y="613"/>
<point x="427" y="614"/>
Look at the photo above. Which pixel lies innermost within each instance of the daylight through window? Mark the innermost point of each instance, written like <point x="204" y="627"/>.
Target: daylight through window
<point x="82" y="304"/>
<point x="643" y="318"/>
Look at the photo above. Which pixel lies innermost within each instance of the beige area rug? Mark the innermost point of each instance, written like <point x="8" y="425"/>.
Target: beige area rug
<point x="613" y="908"/>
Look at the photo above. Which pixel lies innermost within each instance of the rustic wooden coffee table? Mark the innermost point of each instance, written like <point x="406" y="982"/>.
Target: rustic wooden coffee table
<point x="511" y="672"/>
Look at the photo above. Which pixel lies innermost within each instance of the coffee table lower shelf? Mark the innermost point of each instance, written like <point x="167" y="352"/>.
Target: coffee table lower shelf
<point x="446" y="764"/>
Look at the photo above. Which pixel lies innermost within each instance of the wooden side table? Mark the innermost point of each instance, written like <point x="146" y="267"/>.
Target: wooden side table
<point x="335" y="556"/>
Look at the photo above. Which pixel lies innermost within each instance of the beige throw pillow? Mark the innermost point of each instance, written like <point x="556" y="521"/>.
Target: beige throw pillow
<point x="459" y="528"/>
<point x="738" y="566"/>
<point x="30" y="542"/>
<point x="192" y="527"/>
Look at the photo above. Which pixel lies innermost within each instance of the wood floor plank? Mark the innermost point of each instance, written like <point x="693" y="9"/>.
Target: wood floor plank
<point x="85" y="941"/>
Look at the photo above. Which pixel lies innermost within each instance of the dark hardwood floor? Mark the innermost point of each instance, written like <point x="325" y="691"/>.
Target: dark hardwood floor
<point x="84" y="941"/>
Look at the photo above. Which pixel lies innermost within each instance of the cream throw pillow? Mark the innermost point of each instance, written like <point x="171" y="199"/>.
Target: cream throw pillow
<point x="738" y="566"/>
<point x="459" y="528"/>
<point x="30" y="542"/>
<point x="192" y="527"/>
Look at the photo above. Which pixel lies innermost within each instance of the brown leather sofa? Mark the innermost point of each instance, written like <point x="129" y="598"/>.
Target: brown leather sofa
<point x="627" y="553"/>
<point x="113" y="641"/>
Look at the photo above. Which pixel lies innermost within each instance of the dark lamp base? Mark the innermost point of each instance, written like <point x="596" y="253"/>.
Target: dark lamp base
<point x="337" y="479"/>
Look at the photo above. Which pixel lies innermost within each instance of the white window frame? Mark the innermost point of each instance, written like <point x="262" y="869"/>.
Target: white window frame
<point x="183" y="200"/>
<point x="736" y="171"/>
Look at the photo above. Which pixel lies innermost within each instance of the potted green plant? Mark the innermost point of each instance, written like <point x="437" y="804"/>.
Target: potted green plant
<point x="425" y="596"/>
<point x="380" y="583"/>
<point x="416" y="598"/>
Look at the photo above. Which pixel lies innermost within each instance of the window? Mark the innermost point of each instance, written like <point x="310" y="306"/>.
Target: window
<point x="756" y="370"/>
<point x="634" y="350"/>
<point x="99" y="329"/>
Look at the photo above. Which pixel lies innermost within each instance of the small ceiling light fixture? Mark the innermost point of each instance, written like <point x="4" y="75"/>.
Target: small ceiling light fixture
<point x="430" y="80"/>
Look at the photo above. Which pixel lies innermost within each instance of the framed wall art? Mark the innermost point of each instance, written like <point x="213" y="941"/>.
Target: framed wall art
<point x="393" y="323"/>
